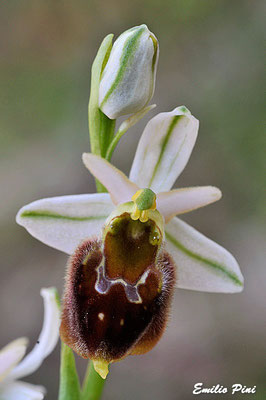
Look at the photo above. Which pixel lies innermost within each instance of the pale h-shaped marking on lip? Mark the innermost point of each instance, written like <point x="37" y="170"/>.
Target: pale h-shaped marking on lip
<point x="103" y="284"/>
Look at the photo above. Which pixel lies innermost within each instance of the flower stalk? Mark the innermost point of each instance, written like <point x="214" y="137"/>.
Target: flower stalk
<point x="69" y="388"/>
<point x="101" y="128"/>
<point x="101" y="132"/>
<point x="93" y="384"/>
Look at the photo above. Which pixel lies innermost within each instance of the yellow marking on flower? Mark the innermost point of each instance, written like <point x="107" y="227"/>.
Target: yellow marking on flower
<point x="135" y="214"/>
<point x="101" y="316"/>
<point x="144" y="201"/>
<point x="122" y="322"/>
<point x="101" y="367"/>
<point x="144" y="216"/>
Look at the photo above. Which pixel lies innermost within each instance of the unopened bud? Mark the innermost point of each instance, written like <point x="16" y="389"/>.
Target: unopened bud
<point x="128" y="79"/>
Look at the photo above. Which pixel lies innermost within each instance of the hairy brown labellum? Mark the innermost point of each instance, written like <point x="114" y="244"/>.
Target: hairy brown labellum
<point x="118" y="292"/>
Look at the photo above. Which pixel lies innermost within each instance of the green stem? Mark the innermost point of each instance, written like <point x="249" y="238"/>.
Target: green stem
<point x="113" y="143"/>
<point x="101" y="128"/>
<point x="69" y="388"/>
<point x="93" y="384"/>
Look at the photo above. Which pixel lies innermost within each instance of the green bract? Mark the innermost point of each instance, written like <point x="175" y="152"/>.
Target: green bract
<point x="128" y="79"/>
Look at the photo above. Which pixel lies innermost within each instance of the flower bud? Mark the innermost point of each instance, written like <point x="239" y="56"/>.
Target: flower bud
<point x="128" y="79"/>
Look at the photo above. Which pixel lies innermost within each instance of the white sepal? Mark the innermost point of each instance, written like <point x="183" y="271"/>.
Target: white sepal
<point x="63" y="222"/>
<point x="164" y="149"/>
<point x="201" y="263"/>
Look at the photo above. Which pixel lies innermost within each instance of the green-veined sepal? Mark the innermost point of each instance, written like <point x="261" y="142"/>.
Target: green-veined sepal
<point x="63" y="222"/>
<point x="164" y="149"/>
<point x="201" y="263"/>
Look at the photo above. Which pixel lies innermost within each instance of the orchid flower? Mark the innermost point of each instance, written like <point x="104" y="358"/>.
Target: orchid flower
<point x="11" y="366"/>
<point x="75" y="224"/>
<point x="162" y="154"/>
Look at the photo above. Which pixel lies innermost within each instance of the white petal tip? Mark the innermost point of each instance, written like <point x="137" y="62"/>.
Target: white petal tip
<point x="87" y="157"/>
<point x="48" y="291"/>
<point x="182" y="110"/>
<point x="216" y="193"/>
<point x="90" y="159"/>
<point x="239" y="289"/>
<point x="19" y="219"/>
<point x="52" y="294"/>
<point x="20" y="343"/>
<point x="23" y="341"/>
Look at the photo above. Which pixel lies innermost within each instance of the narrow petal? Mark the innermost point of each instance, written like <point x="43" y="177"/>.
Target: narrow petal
<point x="48" y="337"/>
<point x="133" y="119"/>
<point x="164" y="149"/>
<point x="181" y="201"/>
<point x="21" y="391"/>
<point x="201" y="263"/>
<point x="63" y="222"/>
<point x="11" y="355"/>
<point x="118" y="185"/>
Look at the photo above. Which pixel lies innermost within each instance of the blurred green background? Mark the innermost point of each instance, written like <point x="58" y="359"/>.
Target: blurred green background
<point x="211" y="61"/>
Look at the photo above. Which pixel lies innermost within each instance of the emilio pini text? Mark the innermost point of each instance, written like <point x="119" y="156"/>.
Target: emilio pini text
<point x="219" y="389"/>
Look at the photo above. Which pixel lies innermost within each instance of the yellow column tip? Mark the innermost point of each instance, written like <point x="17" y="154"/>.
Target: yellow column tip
<point x="101" y="367"/>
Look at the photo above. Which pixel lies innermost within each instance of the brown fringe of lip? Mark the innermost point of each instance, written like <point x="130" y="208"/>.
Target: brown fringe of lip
<point x="108" y="326"/>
